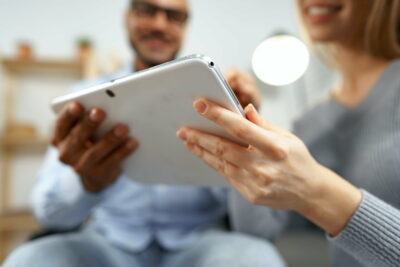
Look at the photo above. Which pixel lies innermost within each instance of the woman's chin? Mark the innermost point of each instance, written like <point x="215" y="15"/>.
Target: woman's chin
<point x="321" y="38"/>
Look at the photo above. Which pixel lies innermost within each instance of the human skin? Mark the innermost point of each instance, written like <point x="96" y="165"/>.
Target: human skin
<point x="276" y="169"/>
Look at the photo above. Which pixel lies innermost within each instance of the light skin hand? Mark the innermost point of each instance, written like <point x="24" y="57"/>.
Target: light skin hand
<point x="275" y="169"/>
<point x="244" y="87"/>
<point x="96" y="161"/>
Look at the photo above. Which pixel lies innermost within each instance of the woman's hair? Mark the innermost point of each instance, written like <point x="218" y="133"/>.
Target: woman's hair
<point x="382" y="32"/>
<point x="381" y="37"/>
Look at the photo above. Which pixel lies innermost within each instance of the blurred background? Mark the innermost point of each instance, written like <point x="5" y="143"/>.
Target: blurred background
<point x="48" y="45"/>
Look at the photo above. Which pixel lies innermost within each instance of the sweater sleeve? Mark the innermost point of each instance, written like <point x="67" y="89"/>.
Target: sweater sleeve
<point x="373" y="233"/>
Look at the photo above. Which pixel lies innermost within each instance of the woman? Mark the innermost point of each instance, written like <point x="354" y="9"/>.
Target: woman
<point x="354" y="134"/>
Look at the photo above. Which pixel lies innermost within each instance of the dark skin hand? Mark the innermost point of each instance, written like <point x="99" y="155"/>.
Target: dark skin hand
<point x="244" y="87"/>
<point x="96" y="161"/>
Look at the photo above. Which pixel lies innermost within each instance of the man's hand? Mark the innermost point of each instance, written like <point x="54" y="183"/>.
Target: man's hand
<point x="96" y="161"/>
<point x="244" y="87"/>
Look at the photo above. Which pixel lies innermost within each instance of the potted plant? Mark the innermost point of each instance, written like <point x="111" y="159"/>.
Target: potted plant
<point x="84" y="46"/>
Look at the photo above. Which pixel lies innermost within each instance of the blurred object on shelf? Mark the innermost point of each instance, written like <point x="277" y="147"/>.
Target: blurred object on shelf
<point x="84" y="48"/>
<point x="111" y="63"/>
<point x="24" y="51"/>
<point x="85" y="54"/>
<point x="21" y="130"/>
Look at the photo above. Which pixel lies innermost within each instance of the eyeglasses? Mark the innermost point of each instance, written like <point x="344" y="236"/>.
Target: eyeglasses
<point x="146" y="9"/>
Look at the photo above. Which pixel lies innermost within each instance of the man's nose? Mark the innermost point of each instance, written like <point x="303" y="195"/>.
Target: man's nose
<point x="160" y="21"/>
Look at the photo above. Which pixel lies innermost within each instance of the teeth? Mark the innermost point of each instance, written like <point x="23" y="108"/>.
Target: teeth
<point x="316" y="11"/>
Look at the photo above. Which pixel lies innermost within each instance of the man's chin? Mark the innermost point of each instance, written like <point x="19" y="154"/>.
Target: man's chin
<point x="153" y="60"/>
<point x="153" y="57"/>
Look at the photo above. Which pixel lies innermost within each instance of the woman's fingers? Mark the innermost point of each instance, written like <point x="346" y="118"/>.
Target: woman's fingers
<point x="223" y="167"/>
<point x="220" y="147"/>
<point x="249" y="158"/>
<point x="238" y="177"/>
<point x="253" y="116"/>
<point x="265" y="140"/>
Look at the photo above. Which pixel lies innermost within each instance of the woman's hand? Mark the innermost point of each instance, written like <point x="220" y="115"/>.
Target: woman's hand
<point x="275" y="169"/>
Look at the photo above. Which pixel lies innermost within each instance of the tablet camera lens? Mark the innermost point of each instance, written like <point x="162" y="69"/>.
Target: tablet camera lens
<point x="110" y="93"/>
<point x="212" y="64"/>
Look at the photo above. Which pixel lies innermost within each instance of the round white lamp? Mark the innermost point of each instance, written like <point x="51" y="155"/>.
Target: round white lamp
<point x="280" y="60"/>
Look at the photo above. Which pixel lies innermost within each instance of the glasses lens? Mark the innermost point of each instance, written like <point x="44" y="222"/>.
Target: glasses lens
<point x="177" y="16"/>
<point x="147" y="9"/>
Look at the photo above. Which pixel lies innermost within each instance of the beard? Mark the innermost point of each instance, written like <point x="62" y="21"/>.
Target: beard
<point x="146" y="60"/>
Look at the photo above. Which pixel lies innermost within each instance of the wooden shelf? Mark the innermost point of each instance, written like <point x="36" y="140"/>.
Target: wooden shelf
<point x="17" y="135"/>
<point x="18" y="221"/>
<point x="11" y="222"/>
<point x="23" y="141"/>
<point x="23" y="65"/>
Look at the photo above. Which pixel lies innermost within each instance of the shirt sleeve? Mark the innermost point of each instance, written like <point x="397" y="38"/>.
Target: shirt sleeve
<point x="372" y="234"/>
<point x="59" y="201"/>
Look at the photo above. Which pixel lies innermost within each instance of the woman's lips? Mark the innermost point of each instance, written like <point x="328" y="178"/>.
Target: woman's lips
<point x="322" y="13"/>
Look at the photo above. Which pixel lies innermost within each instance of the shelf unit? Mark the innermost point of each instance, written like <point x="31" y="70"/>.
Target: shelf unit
<point x="21" y="141"/>
<point x="19" y="136"/>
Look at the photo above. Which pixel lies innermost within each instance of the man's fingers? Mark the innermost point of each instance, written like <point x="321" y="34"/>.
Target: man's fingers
<point x="231" y="73"/>
<point x="68" y="117"/>
<point x="119" y="155"/>
<point x="107" y="171"/>
<point x="239" y="127"/>
<point x="98" y="182"/>
<point x="77" y="142"/>
<point x="103" y="148"/>
<point x="86" y="129"/>
<point x="253" y="116"/>
<point x="243" y="86"/>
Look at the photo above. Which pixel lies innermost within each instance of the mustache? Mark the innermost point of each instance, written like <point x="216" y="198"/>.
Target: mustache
<point x="156" y="35"/>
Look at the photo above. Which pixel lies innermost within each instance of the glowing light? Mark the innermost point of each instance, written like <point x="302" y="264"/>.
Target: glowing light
<point x="280" y="60"/>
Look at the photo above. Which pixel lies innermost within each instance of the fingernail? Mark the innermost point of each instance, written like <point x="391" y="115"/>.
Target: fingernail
<point x="95" y="115"/>
<point x="249" y="108"/>
<point x="74" y="109"/>
<point x="132" y="144"/>
<point x="190" y="146"/>
<point x="120" y="131"/>
<point x="181" y="134"/>
<point x="201" y="106"/>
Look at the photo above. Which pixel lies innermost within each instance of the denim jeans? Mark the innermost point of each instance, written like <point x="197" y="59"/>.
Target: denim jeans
<point x="89" y="248"/>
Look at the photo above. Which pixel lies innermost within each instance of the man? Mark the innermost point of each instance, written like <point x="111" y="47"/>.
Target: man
<point x="131" y="224"/>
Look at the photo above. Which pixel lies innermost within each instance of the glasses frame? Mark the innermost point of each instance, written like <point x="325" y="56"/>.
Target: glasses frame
<point x="170" y="13"/>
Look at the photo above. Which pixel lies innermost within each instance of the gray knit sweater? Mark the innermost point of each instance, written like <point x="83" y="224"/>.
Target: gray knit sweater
<point x="362" y="145"/>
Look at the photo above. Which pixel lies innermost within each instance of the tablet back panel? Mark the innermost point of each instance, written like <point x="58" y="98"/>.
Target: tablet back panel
<point x="155" y="103"/>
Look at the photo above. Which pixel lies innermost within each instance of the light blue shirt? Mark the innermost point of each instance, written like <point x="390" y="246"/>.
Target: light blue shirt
<point x="129" y="214"/>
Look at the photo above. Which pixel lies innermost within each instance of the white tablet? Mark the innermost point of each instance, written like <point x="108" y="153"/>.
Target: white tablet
<point x="155" y="103"/>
